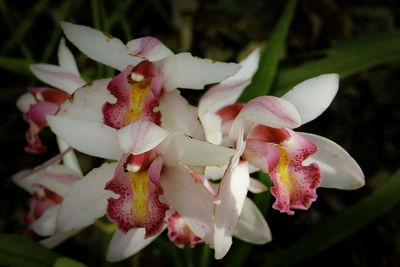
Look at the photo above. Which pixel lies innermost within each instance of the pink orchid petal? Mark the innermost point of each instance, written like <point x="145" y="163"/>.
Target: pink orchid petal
<point x="155" y="170"/>
<point x="66" y="60"/>
<point x="99" y="46"/>
<point x="53" y="241"/>
<point x="190" y="199"/>
<point x="295" y="184"/>
<point x="313" y="96"/>
<point x="267" y="110"/>
<point x="25" y="101"/>
<point x="89" y="137"/>
<point x="179" y="116"/>
<point x="140" y="136"/>
<point x="134" y="100"/>
<point x="339" y="170"/>
<point x="50" y="95"/>
<point x="180" y="233"/>
<point x="124" y="245"/>
<point x="86" y="200"/>
<point x="185" y="71"/>
<point x="148" y="47"/>
<point x="57" y="77"/>
<point x="28" y="179"/>
<point x="138" y="204"/>
<point x="86" y="103"/>
<point x="228" y="207"/>
<point x="179" y="148"/>
<point x="263" y="155"/>
<point x="251" y="226"/>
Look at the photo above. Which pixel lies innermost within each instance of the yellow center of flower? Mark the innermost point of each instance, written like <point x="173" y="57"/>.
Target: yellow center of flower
<point x="282" y="168"/>
<point x="140" y="185"/>
<point x="139" y="91"/>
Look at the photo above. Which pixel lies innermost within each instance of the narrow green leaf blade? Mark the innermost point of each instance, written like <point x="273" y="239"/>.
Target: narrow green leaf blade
<point x="16" y="65"/>
<point x="19" y="250"/>
<point x="68" y="262"/>
<point x="345" y="59"/>
<point x="341" y="226"/>
<point x="264" y="76"/>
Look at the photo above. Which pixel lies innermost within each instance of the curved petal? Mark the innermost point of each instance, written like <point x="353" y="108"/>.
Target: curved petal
<point x="46" y="224"/>
<point x="313" y="96"/>
<point x="212" y="127"/>
<point x="185" y="71"/>
<point x="57" y="76"/>
<point x="25" y="101"/>
<point x="180" y="233"/>
<point x="86" y="200"/>
<point x="89" y="137"/>
<point x="229" y="90"/>
<point x="140" y="136"/>
<point x="87" y="102"/>
<point x="256" y="186"/>
<point x="53" y="241"/>
<point x="339" y="170"/>
<point x="70" y="160"/>
<point x="181" y="148"/>
<point x="66" y="60"/>
<point x="179" y="116"/>
<point x="124" y="245"/>
<point x="99" y="46"/>
<point x="251" y="226"/>
<point x="228" y="207"/>
<point x="267" y="110"/>
<point x="190" y="199"/>
<point x="148" y="47"/>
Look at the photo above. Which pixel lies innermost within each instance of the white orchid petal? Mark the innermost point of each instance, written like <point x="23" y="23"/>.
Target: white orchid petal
<point x="313" y="96"/>
<point x="252" y="226"/>
<point x="89" y="137"/>
<point x="191" y="200"/>
<point x="256" y="186"/>
<point x="179" y="148"/>
<point x="66" y="60"/>
<point x="70" y="160"/>
<point x="25" y="101"/>
<point x="140" y="136"/>
<point x="212" y="127"/>
<point x="228" y="207"/>
<point x="57" y="76"/>
<point x="46" y="224"/>
<point x="339" y="170"/>
<point x="229" y="90"/>
<point x="86" y="200"/>
<point x="53" y="241"/>
<point x="124" y="245"/>
<point x="87" y="102"/>
<point x="99" y="46"/>
<point x="185" y="71"/>
<point x="179" y="116"/>
<point x="148" y="47"/>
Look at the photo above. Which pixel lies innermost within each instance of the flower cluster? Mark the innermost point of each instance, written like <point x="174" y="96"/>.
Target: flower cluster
<point x="176" y="166"/>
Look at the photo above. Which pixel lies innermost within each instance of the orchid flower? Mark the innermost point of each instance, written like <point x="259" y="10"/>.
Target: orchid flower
<point x="139" y="119"/>
<point x="42" y="101"/>
<point x="48" y="184"/>
<point x="263" y="128"/>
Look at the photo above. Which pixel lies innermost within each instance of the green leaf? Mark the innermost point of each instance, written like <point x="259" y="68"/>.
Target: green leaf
<point x="264" y="76"/>
<point x="68" y="262"/>
<point x="342" y="225"/>
<point x="345" y="59"/>
<point x="19" y="250"/>
<point x="16" y="65"/>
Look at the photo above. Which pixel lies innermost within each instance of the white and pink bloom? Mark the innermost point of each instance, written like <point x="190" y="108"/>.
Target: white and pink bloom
<point x="42" y="101"/>
<point x="291" y="159"/>
<point x="140" y="119"/>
